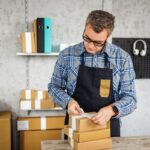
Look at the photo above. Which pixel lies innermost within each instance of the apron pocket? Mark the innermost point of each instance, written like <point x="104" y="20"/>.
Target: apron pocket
<point x="104" y="88"/>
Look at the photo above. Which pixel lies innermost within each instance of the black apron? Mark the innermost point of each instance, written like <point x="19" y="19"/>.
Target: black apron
<point x="94" y="90"/>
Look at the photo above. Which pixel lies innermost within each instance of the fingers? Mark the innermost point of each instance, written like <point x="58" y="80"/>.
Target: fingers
<point x="74" y="108"/>
<point x="100" y="118"/>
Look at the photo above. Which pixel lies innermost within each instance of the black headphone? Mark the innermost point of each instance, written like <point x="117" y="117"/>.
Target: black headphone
<point x="137" y="51"/>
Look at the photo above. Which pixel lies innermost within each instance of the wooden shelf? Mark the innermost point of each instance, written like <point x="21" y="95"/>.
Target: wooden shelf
<point x="37" y="54"/>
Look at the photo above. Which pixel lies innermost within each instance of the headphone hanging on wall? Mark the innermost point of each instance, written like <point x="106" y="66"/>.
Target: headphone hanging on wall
<point x="137" y="51"/>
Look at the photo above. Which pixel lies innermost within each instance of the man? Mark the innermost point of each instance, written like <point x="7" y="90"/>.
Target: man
<point x="95" y="76"/>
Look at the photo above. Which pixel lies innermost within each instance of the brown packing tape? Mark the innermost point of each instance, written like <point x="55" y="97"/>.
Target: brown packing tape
<point x="104" y="88"/>
<point x="96" y="145"/>
<point x="31" y="140"/>
<point x="5" y="130"/>
<point x="91" y="135"/>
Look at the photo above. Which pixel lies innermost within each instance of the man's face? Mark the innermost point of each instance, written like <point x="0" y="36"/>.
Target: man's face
<point x="94" y="42"/>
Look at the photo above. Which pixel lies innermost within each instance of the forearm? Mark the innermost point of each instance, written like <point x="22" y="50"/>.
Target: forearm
<point x="60" y="97"/>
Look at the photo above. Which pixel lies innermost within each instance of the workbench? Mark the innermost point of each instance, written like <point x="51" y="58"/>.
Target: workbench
<point x="119" y="143"/>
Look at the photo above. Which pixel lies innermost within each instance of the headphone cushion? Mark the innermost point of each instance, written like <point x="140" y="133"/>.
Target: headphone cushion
<point x="135" y="51"/>
<point x="143" y="52"/>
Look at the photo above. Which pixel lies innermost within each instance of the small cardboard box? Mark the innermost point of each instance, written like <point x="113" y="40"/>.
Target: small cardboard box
<point x="40" y="123"/>
<point x="86" y="136"/>
<point x="5" y="130"/>
<point x="31" y="140"/>
<point x="94" y="145"/>
<point x="79" y="123"/>
<point x="91" y="135"/>
<point x="34" y="94"/>
<point x="28" y="42"/>
<point x="36" y="104"/>
<point x="28" y="94"/>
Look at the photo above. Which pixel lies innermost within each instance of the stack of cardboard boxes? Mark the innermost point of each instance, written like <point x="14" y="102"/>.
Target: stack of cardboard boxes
<point x="5" y="130"/>
<point x="84" y="134"/>
<point x="35" y="100"/>
<point x="33" y="130"/>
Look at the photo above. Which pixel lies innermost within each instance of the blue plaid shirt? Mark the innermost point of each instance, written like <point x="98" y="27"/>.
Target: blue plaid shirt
<point x="64" y="78"/>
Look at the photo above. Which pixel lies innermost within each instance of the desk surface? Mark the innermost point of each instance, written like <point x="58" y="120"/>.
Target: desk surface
<point x="119" y="143"/>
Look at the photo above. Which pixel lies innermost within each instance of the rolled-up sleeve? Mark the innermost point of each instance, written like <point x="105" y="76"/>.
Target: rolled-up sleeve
<point x="57" y="85"/>
<point x="127" y="96"/>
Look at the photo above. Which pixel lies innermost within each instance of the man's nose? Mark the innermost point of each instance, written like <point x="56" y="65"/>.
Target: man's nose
<point x="91" y="45"/>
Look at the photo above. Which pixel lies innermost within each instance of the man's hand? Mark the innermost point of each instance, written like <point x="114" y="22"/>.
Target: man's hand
<point x="103" y="116"/>
<point x="74" y="108"/>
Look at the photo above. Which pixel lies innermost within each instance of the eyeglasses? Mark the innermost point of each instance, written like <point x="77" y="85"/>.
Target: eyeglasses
<point x="96" y="44"/>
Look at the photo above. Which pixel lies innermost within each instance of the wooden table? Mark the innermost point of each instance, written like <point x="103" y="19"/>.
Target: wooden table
<point x="119" y="143"/>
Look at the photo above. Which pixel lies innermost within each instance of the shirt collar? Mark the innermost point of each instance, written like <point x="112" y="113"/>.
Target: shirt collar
<point x="106" y="49"/>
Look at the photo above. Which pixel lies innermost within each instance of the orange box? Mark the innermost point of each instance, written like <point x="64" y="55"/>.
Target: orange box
<point x="40" y="123"/>
<point x="28" y="94"/>
<point x="5" y="130"/>
<point x="85" y="124"/>
<point x="31" y="140"/>
<point x="28" y="42"/>
<point x="88" y="135"/>
<point x="94" y="145"/>
<point x="91" y="135"/>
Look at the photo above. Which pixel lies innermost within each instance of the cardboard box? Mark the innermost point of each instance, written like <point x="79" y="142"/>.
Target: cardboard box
<point x="31" y="140"/>
<point x="36" y="104"/>
<point x="94" y="145"/>
<point x="5" y="130"/>
<point x="34" y="94"/>
<point x="86" y="136"/>
<point x="79" y="123"/>
<point x="40" y="123"/>
<point x="91" y="135"/>
<point x="28" y="42"/>
<point x="28" y="94"/>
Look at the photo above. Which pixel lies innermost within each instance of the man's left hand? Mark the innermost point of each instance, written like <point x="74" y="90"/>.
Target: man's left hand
<point x="103" y="115"/>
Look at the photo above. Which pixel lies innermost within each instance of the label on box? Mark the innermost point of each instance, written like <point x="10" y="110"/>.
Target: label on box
<point x="28" y="94"/>
<point x="22" y="125"/>
<point x="43" y="123"/>
<point x="37" y="104"/>
<point x="70" y="133"/>
<point x="25" y="104"/>
<point x="40" y="94"/>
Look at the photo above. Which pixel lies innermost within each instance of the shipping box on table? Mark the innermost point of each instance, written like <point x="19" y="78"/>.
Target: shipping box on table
<point x="94" y="145"/>
<point x="31" y="140"/>
<point x="5" y="130"/>
<point x="86" y="136"/>
<point x="79" y="123"/>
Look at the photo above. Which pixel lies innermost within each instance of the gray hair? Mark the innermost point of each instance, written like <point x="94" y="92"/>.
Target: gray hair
<point x="100" y="20"/>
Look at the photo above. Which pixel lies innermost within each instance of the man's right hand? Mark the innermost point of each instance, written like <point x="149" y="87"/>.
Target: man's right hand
<point x="74" y="108"/>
